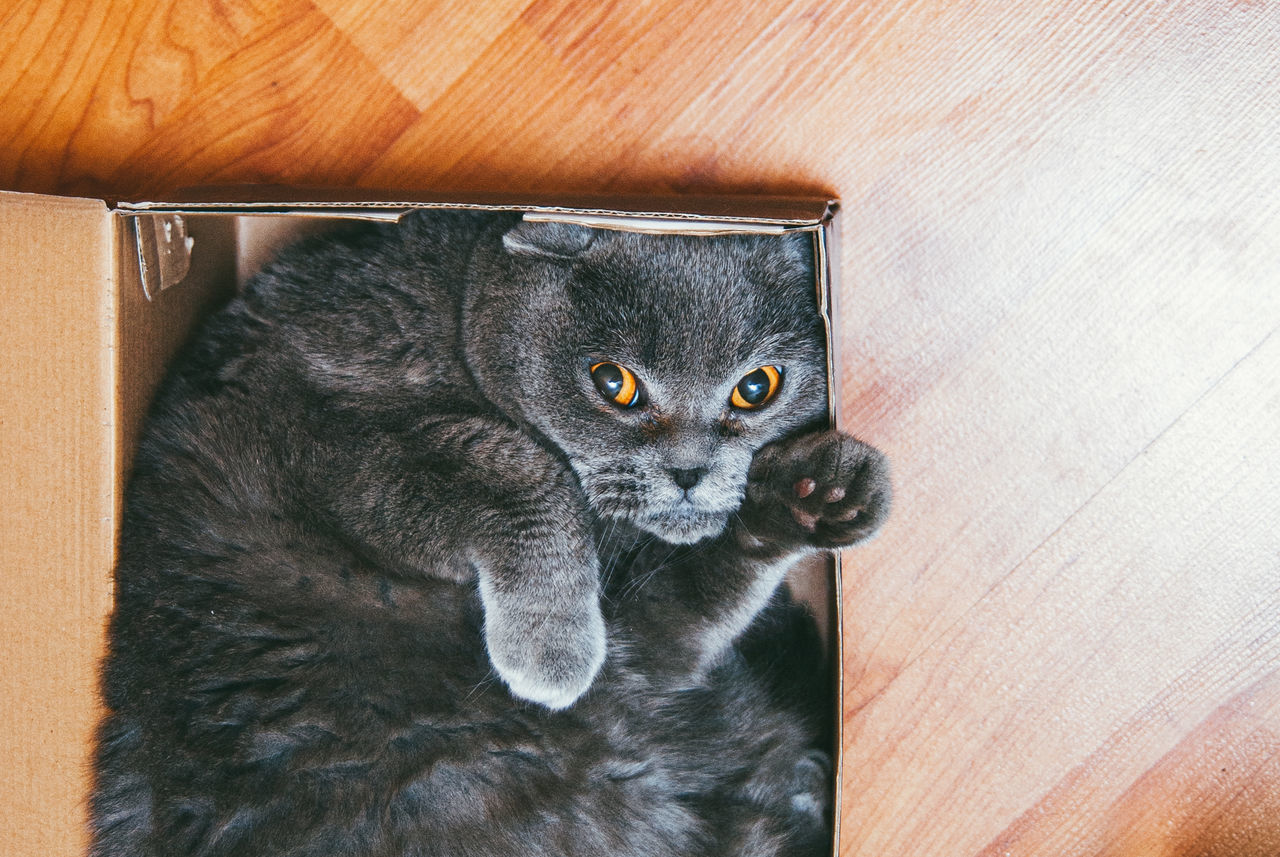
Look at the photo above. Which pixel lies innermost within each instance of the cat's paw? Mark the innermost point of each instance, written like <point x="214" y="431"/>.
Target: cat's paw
<point x="823" y="490"/>
<point x="549" y="657"/>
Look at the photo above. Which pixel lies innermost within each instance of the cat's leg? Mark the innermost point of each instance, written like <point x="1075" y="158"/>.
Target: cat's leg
<point x="474" y="495"/>
<point x="806" y="493"/>
<point x="809" y="492"/>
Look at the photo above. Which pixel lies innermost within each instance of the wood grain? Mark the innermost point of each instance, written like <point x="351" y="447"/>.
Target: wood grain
<point x="1062" y="296"/>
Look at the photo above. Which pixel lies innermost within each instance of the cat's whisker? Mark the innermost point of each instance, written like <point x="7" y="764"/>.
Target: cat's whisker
<point x="490" y="679"/>
<point x="634" y="587"/>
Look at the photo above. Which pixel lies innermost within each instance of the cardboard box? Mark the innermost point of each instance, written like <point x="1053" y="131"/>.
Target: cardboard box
<point x="96" y="297"/>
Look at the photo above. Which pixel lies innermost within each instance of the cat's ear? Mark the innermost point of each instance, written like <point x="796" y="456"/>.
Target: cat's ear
<point x="548" y="240"/>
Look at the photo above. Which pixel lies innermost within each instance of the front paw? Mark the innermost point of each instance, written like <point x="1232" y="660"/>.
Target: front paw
<point x="822" y="490"/>
<point x="547" y="655"/>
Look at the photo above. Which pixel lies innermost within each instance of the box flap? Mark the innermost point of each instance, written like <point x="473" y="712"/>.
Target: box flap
<point x="56" y="514"/>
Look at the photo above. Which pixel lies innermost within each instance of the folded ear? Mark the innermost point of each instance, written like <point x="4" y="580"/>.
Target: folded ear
<point x="548" y="240"/>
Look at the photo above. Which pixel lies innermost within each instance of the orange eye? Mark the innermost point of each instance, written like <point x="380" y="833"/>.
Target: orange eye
<point x="616" y="383"/>
<point x="756" y="388"/>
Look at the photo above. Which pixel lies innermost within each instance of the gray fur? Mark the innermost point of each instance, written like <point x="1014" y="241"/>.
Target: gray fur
<point x="395" y="579"/>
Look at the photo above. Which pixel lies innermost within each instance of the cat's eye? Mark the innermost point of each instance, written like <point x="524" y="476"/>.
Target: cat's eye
<point x="756" y="388"/>
<point x="616" y="383"/>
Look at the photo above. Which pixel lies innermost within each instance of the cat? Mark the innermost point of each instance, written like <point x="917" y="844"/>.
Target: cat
<point x="465" y="536"/>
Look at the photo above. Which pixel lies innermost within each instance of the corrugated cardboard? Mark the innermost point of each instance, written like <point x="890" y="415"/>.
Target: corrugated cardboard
<point x="57" y="512"/>
<point x="83" y="346"/>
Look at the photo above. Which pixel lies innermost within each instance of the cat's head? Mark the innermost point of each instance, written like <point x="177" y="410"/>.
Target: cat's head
<point x="658" y="364"/>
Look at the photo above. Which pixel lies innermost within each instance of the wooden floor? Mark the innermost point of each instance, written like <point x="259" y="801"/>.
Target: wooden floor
<point x="1062" y="293"/>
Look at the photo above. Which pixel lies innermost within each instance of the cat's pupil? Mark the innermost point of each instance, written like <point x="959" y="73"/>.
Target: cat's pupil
<point x="754" y="388"/>
<point x="608" y="378"/>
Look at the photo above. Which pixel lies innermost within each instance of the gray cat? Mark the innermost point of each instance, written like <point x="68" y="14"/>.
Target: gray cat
<point x="464" y="536"/>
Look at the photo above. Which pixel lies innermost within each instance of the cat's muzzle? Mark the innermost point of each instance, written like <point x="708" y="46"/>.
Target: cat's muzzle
<point x="683" y="523"/>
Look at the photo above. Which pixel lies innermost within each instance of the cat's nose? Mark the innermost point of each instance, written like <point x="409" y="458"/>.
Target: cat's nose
<point x="687" y="478"/>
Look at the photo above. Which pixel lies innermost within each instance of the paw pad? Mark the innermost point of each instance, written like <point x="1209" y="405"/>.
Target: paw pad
<point x="825" y="489"/>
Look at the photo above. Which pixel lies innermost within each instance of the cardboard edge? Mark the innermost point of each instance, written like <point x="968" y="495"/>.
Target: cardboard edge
<point x="827" y="239"/>
<point x="787" y="210"/>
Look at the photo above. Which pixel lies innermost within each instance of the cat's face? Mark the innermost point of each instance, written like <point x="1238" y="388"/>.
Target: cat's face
<point x="657" y="364"/>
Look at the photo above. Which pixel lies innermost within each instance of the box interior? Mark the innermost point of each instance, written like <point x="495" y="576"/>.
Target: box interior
<point x="86" y="346"/>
